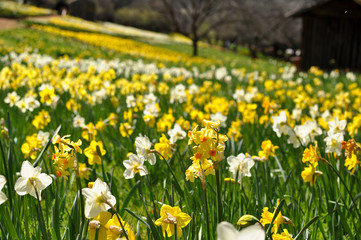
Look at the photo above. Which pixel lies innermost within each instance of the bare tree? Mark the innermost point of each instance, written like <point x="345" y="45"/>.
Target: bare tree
<point x="195" y="18"/>
<point x="263" y="22"/>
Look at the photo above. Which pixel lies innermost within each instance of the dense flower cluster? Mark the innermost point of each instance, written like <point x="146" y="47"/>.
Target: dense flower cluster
<point x="131" y="119"/>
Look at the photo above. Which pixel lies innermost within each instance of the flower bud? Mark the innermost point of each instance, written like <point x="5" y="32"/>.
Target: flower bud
<point x="94" y="224"/>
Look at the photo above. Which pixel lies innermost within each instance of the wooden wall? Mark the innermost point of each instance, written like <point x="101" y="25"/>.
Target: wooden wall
<point x="329" y="43"/>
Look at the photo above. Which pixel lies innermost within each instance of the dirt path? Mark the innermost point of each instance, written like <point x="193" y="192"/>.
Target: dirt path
<point x="6" y="23"/>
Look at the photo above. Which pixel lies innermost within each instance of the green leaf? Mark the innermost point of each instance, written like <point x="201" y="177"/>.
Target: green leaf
<point x="137" y="217"/>
<point x="10" y="229"/>
<point x="129" y="196"/>
<point x="46" y="146"/>
<point x="306" y="226"/>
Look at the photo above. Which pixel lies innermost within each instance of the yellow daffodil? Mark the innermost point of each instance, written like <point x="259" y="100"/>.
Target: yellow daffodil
<point x="285" y="235"/>
<point x="268" y="149"/>
<point x="115" y="229"/>
<point x="163" y="147"/>
<point x="268" y="216"/>
<point x="171" y="217"/>
<point x="99" y="222"/>
<point x="95" y="152"/>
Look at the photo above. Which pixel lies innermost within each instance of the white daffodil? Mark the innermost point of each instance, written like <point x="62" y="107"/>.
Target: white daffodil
<point x="280" y="124"/>
<point x="43" y="137"/>
<point x="142" y="146"/>
<point x="131" y="101"/>
<point x="32" y="103"/>
<point x="239" y="95"/>
<point x="134" y="165"/>
<point x="12" y="98"/>
<point x="314" y="111"/>
<point x="226" y="231"/>
<point x="98" y="199"/>
<point x="240" y="165"/>
<point x="336" y="126"/>
<point x="296" y="114"/>
<point x="307" y="132"/>
<point x="333" y="143"/>
<point x="178" y="94"/>
<point x="219" y="116"/>
<point x="176" y="133"/>
<point x="3" y="197"/>
<point x="293" y="138"/>
<point x="78" y="121"/>
<point x="22" y="105"/>
<point x="31" y="179"/>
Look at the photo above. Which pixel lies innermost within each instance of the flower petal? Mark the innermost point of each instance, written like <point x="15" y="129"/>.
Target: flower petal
<point x="3" y="198"/>
<point x="27" y="169"/>
<point x="254" y="232"/>
<point x="2" y="182"/>
<point x="43" y="180"/>
<point x="128" y="173"/>
<point x="226" y="231"/>
<point x="22" y="186"/>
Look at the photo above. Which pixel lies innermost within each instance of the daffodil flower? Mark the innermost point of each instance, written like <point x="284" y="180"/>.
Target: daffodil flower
<point x="171" y="216"/>
<point x="240" y="166"/>
<point x="98" y="199"/>
<point x="142" y="146"/>
<point x="226" y="231"/>
<point x="99" y="222"/>
<point x="32" y="181"/>
<point x="134" y="165"/>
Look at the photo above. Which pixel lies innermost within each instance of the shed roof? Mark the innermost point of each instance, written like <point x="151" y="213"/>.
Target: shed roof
<point x="330" y="8"/>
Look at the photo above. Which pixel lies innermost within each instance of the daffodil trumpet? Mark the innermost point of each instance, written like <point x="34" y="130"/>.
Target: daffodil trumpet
<point x="116" y="214"/>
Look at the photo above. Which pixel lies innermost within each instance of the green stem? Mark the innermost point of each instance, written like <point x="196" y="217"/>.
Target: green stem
<point x="41" y="217"/>
<point x="78" y="184"/>
<point x="219" y="197"/>
<point x="207" y="213"/>
<point x="348" y="191"/>
<point x="7" y="175"/>
<point x="96" y="234"/>
<point x="175" y="231"/>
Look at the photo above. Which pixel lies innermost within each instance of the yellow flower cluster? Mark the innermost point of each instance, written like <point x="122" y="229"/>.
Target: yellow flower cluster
<point x="41" y="120"/>
<point x="209" y="147"/>
<point x="31" y="147"/>
<point x="267" y="150"/>
<point x="64" y="156"/>
<point x="127" y="46"/>
<point x="352" y="151"/>
<point x="310" y="156"/>
<point x="14" y="9"/>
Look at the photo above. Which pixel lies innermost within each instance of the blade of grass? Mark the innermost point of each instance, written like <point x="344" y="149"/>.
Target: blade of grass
<point x="129" y="196"/>
<point x="11" y="230"/>
<point x="137" y="217"/>
<point x="150" y="222"/>
<point x="306" y="226"/>
<point x="46" y="146"/>
<point x="278" y="210"/>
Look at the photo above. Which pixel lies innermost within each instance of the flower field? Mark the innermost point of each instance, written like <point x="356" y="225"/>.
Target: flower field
<point x="110" y="138"/>
<point x="16" y="10"/>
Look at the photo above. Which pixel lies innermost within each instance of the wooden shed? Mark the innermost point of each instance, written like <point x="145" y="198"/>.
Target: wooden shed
<point x="83" y="8"/>
<point x="331" y="35"/>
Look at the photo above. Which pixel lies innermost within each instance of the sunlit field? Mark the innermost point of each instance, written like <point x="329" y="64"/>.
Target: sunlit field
<point x="107" y="137"/>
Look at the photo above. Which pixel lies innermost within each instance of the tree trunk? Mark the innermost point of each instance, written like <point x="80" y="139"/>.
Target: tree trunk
<point x="195" y="47"/>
